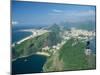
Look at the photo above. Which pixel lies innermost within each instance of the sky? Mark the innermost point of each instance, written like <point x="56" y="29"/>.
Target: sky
<point x="38" y="13"/>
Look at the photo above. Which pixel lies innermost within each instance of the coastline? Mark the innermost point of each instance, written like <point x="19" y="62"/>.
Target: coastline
<point x="37" y="53"/>
<point x="35" y="33"/>
<point x="43" y="53"/>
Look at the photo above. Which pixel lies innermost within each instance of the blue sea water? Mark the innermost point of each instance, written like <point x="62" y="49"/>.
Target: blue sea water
<point x="30" y="64"/>
<point x="18" y="35"/>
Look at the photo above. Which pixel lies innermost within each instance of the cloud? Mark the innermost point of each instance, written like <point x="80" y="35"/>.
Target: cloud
<point x="57" y="11"/>
<point x="14" y="22"/>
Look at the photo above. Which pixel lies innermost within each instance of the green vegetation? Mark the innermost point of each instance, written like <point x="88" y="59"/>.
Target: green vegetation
<point x="29" y="46"/>
<point x="53" y="63"/>
<point x="53" y="39"/>
<point x="91" y="61"/>
<point x="35" y="44"/>
<point x="54" y="35"/>
<point x="73" y="56"/>
<point x="55" y="28"/>
<point x="70" y="57"/>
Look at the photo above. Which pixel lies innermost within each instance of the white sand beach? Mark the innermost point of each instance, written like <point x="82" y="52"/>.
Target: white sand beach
<point x="35" y="33"/>
<point x="43" y="53"/>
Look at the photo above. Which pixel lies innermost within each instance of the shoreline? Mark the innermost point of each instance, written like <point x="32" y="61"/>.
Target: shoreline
<point x="34" y="32"/>
<point x="42" y="54"/>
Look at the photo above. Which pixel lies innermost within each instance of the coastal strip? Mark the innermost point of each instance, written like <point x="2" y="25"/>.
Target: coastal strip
<point x="43" y="53"/>
<point x="35" y="33"/>
<point x="37" y="53"/>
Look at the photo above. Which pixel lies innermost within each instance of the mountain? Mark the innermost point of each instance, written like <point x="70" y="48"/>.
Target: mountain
<point x="35" y="44"/>
<point x="54" y="35"/>
<point x="70" y="57"/>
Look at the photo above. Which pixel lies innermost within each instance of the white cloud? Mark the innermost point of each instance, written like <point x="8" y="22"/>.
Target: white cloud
<point x="57" y="11"/>
<point x="14" y="22"/>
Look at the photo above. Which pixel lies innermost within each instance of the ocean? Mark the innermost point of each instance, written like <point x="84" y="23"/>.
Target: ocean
<point x="30" y="64"/>
<point x="17" y="35"/>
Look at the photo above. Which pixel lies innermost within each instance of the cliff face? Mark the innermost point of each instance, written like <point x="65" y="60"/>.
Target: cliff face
<point x="70" y="57"/>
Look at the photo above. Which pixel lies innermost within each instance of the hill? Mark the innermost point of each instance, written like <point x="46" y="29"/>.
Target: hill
<point x="35" y="44"/>
<point x="70" y="57"/>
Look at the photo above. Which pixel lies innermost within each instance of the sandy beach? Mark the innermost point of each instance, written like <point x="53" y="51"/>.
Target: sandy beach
<point x="43" y="53"/>
<point x="35" y="33"/>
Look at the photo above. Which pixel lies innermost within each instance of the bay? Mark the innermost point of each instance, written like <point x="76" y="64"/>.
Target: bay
<point x="30" y="64"/>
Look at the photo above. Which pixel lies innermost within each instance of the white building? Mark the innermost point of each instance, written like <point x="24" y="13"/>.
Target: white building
<point x="45" y="48"/>
<point x="88" y="51"/>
